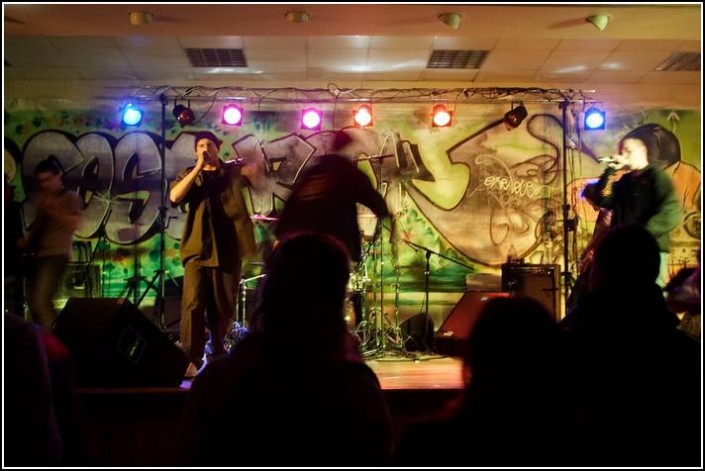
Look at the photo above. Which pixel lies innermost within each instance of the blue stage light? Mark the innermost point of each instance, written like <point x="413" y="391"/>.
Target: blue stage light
<point x="131" y="115"/>
<point x="594" y="119"/>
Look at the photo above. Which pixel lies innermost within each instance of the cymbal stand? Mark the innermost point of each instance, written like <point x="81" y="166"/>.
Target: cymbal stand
<point x="242" y="305"/>
<point x="396" y="336"/>
<point x="386" y="336"/>
<point x="360" y="283"/>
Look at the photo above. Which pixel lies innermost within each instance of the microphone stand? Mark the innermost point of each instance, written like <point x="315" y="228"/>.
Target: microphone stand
<point x="427" y="276"/>
<point x="568" y="224"/>
<point x="86" y="272"/>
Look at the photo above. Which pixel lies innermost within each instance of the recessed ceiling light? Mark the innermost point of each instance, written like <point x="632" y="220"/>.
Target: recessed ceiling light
<point x="139" y="17"/>
<point x="298" y="16"/>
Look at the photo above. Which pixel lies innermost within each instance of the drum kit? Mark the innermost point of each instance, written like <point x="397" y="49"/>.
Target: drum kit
<point x="365" y="302"/>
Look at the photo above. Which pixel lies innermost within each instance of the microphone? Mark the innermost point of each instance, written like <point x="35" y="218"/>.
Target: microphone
<point x="237" y="162"/>
<point x="606" y="160"/>
<point x="373" y="157"/>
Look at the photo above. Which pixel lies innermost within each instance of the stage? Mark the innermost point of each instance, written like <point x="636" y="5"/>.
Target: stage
<point x="139" y="426"/>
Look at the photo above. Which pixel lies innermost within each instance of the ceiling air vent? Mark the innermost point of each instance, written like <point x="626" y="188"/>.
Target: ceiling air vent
<point x="444" y="59"/>
<point x="216" y="57"/>
<point x="680" y="61"/>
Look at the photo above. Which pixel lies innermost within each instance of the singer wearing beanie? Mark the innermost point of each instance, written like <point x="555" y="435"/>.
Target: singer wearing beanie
<point x="218" y="235"/>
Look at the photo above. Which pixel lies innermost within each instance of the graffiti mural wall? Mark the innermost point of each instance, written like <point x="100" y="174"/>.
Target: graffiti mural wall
<point x="470" y="193"/>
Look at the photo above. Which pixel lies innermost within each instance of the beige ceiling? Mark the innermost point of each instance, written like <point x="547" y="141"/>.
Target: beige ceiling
<point x="353" y="45"/>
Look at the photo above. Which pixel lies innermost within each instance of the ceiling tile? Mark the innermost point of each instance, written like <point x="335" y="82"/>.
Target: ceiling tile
<point x="564" y="62"/>
<point x="103" y="73"/>
<point x="527" y="44"/>
<point x="512" y="59"/>
<point x="46" y="73"/>
<point x="690" y="46"/>
<point x="32" y="51"/>
<point x="640" y="45"/>
<point x="223" y="77"/>
<point x="625" y="60"/>
<point x="341" y="42"/>
<point x="607" y="45"/>
<point x="221" y="71"/>
<point x="506" y="76"/>
<point x="410" y="75"/>
<point x="90" y="52"/>
<point x="268" y="60"/>
<point x="150" y="42"/>
<point x="450" y="75"/>
<point x="617" y="76"/>
<point x="672" y="78"/>
<point x="168" y="73"/>
<point x="577" y="77"/>
<point x="464" y="43"/>
<point x="275" y="75"/>
<point x="327" y="74"/>
<point x="389" y="60"/>
<point x="264" y="42"/>
<point x="338" y="59"/>
<point x="15" y="73"/>
<point x="148" y="57"/>
<point x="390" y="43"/>
<point x="211" y="42"/>
<point x="401" y="42"/>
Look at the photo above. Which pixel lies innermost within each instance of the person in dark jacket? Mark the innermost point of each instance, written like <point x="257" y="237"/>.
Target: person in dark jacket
<point x="645" y="194"/>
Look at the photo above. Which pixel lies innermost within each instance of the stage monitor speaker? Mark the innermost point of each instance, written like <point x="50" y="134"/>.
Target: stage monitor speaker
<point x="113" y="344"/>
<point x="455" y="330"/>
<point x="539" y="282"/>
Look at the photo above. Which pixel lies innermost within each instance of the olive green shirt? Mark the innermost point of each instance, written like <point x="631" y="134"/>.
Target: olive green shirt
<point x="218" y="230"/>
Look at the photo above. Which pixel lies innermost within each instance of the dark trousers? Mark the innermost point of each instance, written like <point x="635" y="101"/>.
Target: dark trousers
<point x="43" y="284"/>
<point x="209" y="300"/>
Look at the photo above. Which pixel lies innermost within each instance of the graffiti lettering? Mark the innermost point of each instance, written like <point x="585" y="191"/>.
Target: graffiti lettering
<point x="521" y="188"/>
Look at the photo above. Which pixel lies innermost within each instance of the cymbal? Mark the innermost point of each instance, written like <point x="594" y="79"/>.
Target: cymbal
<point x="367" y="216"/>
<point x="261" y="217"/>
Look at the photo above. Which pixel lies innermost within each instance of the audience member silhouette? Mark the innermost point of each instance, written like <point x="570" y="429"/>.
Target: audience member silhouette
<point x="32" y="435"/>
<point x="514" y="410"/>
<point x="683" y="296"/>
<point x="635" y="368"/>
<point x="295" y="392"/>
<point x="42" y="423"/>
<point x="12" y="259"/>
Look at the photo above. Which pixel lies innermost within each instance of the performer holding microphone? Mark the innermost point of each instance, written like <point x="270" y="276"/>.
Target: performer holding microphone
<point x="217" y="236"/>
<point x="636" y="190"/>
